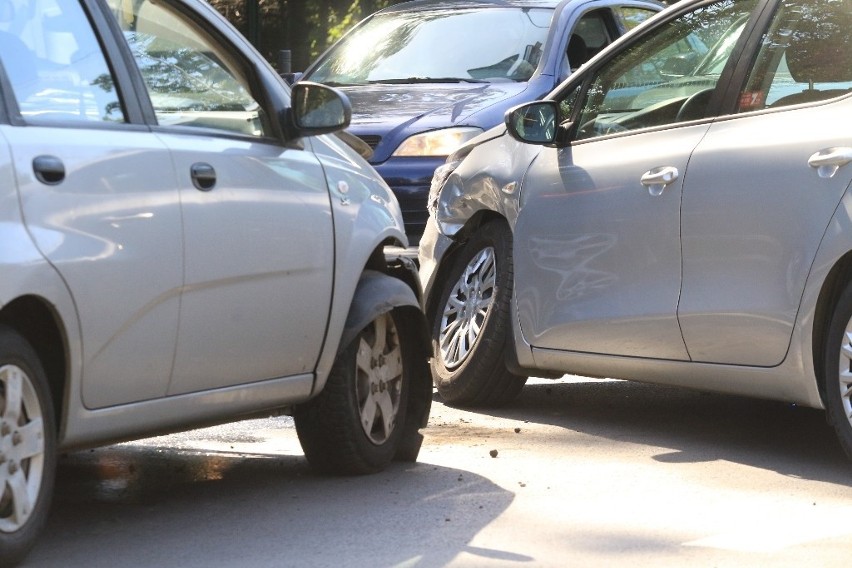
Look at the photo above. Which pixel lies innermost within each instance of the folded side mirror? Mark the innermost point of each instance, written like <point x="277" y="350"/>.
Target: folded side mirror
<point x="316" y="109"/>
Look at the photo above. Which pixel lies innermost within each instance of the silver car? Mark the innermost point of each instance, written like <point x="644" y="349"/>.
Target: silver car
<point x="184" y="243"/>
<point x="677" y="212"/>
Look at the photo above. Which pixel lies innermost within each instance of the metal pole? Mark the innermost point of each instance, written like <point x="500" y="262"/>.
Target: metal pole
<point x="253" y="17"/>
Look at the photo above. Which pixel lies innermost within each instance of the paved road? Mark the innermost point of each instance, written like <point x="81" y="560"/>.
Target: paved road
<point x="586" y="473"/>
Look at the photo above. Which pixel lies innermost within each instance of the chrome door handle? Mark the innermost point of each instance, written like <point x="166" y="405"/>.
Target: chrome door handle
<point x="657" y="179"/>
<point x="828" y="161"/>
<point x="49" y="170"/>
<point x="203" y="176"/>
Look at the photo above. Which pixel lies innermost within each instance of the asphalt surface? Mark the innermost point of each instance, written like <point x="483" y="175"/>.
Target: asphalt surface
<point x="576" y="473"/>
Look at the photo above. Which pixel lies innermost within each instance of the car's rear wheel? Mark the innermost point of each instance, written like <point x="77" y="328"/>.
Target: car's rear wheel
<point x="27" y="447"/>
<point x="838" y="370"/>
<point x="355" y="424"/>
<point x="471" y="331"/>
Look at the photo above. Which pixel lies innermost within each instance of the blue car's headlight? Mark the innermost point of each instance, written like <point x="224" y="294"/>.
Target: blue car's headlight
<point x="437" y="142"/>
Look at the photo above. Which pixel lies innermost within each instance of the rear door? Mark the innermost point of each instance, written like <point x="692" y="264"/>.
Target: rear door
<point x="762" y="186"/>
<point x="98" y="195"/>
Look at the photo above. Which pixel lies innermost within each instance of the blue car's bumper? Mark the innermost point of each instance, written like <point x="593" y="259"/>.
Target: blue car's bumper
<point x="409" y="178"/>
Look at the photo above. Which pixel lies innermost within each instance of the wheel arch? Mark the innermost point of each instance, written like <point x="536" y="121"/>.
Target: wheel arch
<point x="473" y="224"/>
<point x="379" y="292"/>
<point x="836" y="280"/>
<point x="37" y="322"/>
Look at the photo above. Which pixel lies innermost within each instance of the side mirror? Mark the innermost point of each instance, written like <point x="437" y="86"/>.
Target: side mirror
<point x="317" y="109"/>
<point x="533" y="123"/>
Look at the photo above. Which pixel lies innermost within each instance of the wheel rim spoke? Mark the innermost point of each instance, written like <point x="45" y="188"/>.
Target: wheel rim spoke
<point x="380" y="326"/>
<point x="467" y="308"/>
<point x="20" y="496"/>
<point x="364" y="357"/>
<point x="22" y="447"/>
<point x="368" y="412"/>
<point x="385" y="404"/>
<point x="13" y="380"/>
<point x="31" y="440"/>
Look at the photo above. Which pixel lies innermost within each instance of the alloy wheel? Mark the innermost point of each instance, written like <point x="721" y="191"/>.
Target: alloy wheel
<point x="467" y="307"/>
<point x="22" y="448"/>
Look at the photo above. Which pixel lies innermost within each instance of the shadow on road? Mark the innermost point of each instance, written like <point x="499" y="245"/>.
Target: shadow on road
<point x="698" y="426"/>
<point x="139" y="506"/>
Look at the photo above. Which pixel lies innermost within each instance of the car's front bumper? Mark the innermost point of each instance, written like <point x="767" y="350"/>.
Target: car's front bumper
<point x="432" y="250"/>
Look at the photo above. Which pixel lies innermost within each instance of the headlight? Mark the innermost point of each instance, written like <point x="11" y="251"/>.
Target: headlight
<point x="436" y="143"/>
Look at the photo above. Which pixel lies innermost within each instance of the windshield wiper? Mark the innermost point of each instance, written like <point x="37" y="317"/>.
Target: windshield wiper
<point x="426" y="80"/>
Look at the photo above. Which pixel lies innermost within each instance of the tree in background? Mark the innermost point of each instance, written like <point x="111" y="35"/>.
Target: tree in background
<point x="305" y="27"/>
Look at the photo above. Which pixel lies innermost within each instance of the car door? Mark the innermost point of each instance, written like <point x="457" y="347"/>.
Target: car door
<point x="598" y="255"/>
<point x="257" y="220"/>
<point x="98" y="195"/>
<point x="762" y="186"/>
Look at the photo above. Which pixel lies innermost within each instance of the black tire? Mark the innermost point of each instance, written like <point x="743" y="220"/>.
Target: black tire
<point x="370" y="371"/>
<point x="468" y="367"/>
<point x="28" y="466"/>
<point x="837" y="365"/>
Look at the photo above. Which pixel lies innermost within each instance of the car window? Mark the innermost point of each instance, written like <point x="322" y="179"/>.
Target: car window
<point x="649" y="83"/>
<point x="806" y="56"/>
<point x="630" y="16"/>
<point x="191" y="79"/>
<point x="448" y="44"/>
<point x="54" y="63"/>
<point x="590" y="35"/>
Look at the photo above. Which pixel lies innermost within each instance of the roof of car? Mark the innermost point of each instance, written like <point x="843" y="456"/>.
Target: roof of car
<point x="456" y="4"/>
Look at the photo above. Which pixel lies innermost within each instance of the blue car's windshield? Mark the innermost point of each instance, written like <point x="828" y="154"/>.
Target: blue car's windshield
<point x="446" y="44"/>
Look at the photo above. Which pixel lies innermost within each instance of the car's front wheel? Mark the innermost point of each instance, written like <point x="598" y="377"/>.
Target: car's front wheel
<point x="354" y="426"/>
<point x="27" y="447"/>
<point x="471" y="331"/>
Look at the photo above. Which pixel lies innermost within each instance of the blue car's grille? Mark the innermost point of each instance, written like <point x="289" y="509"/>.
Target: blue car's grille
<point x="371" y="140"/>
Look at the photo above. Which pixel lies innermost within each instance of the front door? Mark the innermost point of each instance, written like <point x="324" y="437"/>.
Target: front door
<point x="597" y="249"/>
<point x="257" y="220"/>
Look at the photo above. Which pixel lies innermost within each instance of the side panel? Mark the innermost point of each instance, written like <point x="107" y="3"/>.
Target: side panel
<point x="754" y="212"/>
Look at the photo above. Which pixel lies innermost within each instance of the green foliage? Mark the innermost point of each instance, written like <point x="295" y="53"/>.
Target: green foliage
<point x="304" y="27"/>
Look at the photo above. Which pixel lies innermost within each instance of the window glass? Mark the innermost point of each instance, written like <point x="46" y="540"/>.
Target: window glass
<point x="191" y="80"/>
<point x="666" y="77"/>
<point x="806" y="56"/>
<point x="632" y="17"/>
<point x="441" y="45"/>
<point x="55" y="64"/>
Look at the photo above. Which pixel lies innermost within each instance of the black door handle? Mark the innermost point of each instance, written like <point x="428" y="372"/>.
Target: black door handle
<point x="49" y="170"/>
<point x="203" y="176"/>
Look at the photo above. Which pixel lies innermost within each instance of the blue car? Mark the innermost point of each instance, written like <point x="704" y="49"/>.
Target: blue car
<point x="426" y="76"/>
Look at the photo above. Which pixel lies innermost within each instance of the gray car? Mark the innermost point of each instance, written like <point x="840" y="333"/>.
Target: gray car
<point x="677" y="212"/>
<point x="183" y="244"/>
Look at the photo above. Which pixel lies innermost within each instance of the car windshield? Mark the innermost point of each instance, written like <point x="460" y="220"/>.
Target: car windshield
<point x="443" y="45"/>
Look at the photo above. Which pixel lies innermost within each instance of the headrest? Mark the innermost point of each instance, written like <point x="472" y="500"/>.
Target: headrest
<point x="577" y="51"/>
<point x="820" y="48"/>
